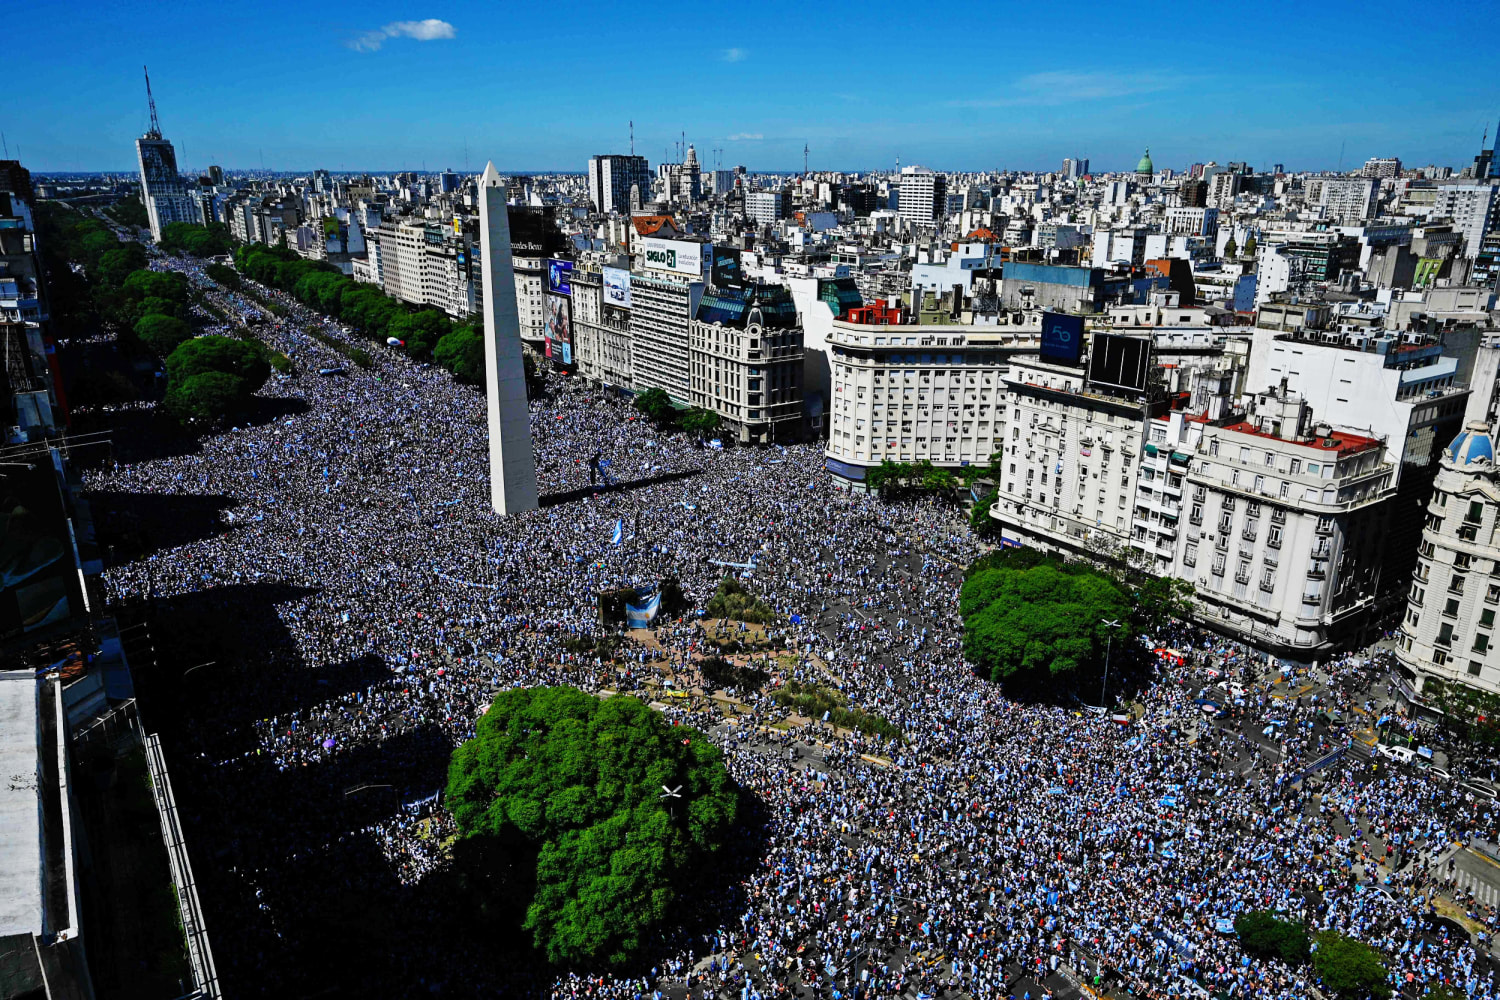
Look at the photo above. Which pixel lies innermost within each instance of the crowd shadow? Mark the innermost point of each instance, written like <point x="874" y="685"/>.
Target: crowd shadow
<point x="135" y="525"/>
<point x="581" y="492"/>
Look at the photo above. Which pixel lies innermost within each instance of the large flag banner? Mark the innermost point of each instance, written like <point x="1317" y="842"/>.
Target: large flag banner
<point x="619" y="531"/>
<point x="642" y="615"/>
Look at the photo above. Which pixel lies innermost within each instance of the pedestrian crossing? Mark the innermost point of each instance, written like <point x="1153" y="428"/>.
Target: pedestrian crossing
<point x="1484" y="893"/>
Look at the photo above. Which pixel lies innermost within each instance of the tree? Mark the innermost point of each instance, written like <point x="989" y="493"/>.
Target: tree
<point x="170" y="285"/>
<point x="1231" y="249"/>
<point x="241" y="358"/>
<point x="1350" y="969"/>
<point x="1250" y="245"/>
<point x="980" y="521"/>
<point x="461" y="351"/>
<point x="700" y="421"/>
<point x="205" y="397"/>
<point x="1043" y="620"/>
<point x="420" y="330"/>
<point x="1265" y="936"/>
<point x="116" y="265"/>
<point x="574" y="783"/>
<point x="657" y="406"/>
<point x="195" y="240"/>
<point x="734" y="602"/>
<point x="224" y="275"/>
<point x="129" y="212"/>
<point x="161" y="334"/>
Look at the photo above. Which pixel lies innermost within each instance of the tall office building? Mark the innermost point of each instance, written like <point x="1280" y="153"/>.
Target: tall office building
<point x="512" y="462"/>
<point x="924" y="195"/>
<point x="611" y="178"/>
<point x="162" y="190"/>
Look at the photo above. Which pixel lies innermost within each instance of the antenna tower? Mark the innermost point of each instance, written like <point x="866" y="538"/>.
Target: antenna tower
<point x="155" y="132"/>
<point x="632" y="138"/>
<point x="804" y="160"/>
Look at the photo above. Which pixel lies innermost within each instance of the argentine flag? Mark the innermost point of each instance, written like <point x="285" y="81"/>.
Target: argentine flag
<point x="619" y="531"/>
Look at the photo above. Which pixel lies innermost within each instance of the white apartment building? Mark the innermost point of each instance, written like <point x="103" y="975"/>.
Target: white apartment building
<point x="766" y="208"/>
<point x="923" y="197"/>
<point x="1193" y="222"/>
<point x="661" y="315"/>
<point x="746" y="362"/>
<point x="611" y="179"/>
<point x="1448" y="635"/>
<point x="1474" y="208"/>
<point x="1068" y="473"/>
<point x="1221" y="190"/>
<point x="1287" y="522"/>
<point x="601" y="329"/>
<point x="418" y="263"/>
<point x="908" y="393"/>
<point x="1349" y="200"/>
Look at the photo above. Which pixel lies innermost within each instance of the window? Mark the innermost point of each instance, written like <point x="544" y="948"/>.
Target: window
<point x="1451" y="608"/>
<point x="1492" y="596"/>
<point x="1445" y="634"/>
<point x="1481" y="642"/>
<point x="1295" y="466"/>
<point x="1476" y="512"/>
<point x="1456" y="585"/>
<point x="1487" y="618"/>
<point x="1271" y="459"/>
<point x="1474" y="667"/>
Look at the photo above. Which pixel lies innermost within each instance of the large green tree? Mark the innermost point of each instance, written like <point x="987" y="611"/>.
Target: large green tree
<point x="657" y="406"/>
<point x="1263" y="934"/>
<point x="1350" y="969"/>
<point x="170" y="285"/>
<point x="576" y="782"/>
<point x="420" y="330"/>
<point x="242" y="358"/>
<point x="161" y="334"/>
<point x="205" y="397"/>
<point x="195" y="240"/>
<point x="1046" y="618"/>
<point x="461" y="351"/>
<point x="116" y="265"/>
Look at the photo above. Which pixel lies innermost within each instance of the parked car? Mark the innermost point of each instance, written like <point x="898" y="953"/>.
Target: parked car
<point x="1478" y="789"/>
<point x="1403" y="755"/>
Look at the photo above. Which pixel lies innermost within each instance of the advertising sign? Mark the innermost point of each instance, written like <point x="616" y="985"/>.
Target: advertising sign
<point x="458" y="226"/>
<point x="557" y="327"/>
<point x="617" y="287"/>
<point x="725" y="272"/>
<point x="1119" y="361"/>
<point x="559" y="276"/>
<point x="677" y="256"/>
<point x="1062" y="337"/>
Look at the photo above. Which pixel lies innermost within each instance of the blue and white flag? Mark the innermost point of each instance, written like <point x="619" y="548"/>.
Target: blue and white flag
<point x="642" y="615"/>
<point x="619" y="532"/>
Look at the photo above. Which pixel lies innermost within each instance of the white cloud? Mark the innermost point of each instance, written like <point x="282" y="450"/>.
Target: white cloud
<point x="740" y="136"/>
<point x="428" y="30"/>
<point x="1043" y="89"/>
<point x="734" y="55"/>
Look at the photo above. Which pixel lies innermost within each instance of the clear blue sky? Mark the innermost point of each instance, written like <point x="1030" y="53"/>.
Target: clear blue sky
<point x="540" y="86"/>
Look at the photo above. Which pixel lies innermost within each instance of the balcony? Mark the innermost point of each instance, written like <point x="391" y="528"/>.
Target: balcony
<point x="1278" y="516"/>
<point x="1317" y="573"/>
<point x="1248" y="533"/>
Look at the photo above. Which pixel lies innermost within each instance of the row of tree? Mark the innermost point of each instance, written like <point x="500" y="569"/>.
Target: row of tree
<point x="428" y="334"/>
<point x="194" y="240"/>
<point x="655" y="405"/>
<point x="211" y="378"/>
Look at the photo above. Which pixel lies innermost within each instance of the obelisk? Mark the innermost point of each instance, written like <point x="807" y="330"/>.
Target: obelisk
<point x="512" y="464"/>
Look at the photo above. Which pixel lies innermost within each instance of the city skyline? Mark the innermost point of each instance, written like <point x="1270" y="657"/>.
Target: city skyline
<point x="415" y="88"/>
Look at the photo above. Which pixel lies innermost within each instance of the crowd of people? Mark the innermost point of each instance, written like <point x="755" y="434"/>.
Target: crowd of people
<point x="371" y="604"/>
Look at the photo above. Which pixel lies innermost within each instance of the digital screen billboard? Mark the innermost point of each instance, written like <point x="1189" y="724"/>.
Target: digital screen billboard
<point x="1062" y="338"/>
<point x="678" y="256"/>
<point x="725" y="271"/>
<point x="616" y="287"/>
<point x="559" y="276"/>
<point x="1120" y="362"/>
<point x="557" y="327"/>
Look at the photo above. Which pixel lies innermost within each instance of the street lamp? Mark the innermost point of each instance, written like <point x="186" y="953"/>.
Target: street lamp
<point x="667" y="795"/>
<point x="1108" y="641"/>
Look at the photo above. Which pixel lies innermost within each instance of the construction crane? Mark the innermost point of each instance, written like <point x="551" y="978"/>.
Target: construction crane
<point x="155" y="132"/>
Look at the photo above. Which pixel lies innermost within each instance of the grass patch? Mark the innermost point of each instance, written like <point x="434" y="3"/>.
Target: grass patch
<point x="814" y="702"/>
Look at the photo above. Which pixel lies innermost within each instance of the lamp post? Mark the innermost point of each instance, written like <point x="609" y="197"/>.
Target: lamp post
<point x="1108" y="642"/>
<point x="667" y="795"/>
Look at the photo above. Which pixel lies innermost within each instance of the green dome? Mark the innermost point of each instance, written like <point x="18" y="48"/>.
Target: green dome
<point x="1145" y="166"/>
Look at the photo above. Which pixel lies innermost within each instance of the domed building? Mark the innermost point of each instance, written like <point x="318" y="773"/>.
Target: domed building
<point x="1447" y="648"/>
<point x="1145" y="169"/>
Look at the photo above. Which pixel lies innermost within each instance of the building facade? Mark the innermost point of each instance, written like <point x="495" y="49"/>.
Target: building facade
<point x="162" y="189"/>
<point x="923" y="196"/>
<point x="746" y="362"/>
<point x="611" y="178"/>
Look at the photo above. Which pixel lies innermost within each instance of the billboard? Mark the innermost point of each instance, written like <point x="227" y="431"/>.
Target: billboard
<point x="559" y="276"/>
<point x="677" y="256"/>
<point x="1062" y="338"/>
<point x="1120" y="362"/>
<point x="617" y="287"/>
<point x="557" y="329"/>
<point x="725" y="272"/>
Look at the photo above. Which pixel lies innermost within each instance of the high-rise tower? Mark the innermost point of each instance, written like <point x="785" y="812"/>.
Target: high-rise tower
<point x="512" y="462"/>
<point x="162" y="191"/>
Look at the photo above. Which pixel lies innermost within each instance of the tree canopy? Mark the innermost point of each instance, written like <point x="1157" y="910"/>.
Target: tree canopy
<point x="577" y="781"/>
<point x="1037" y="616"/>
<point x="238" y="368"/>
<point x="160" y="333"/>
<point x="461" y="351"/>
<point x="657" y="406"/>
<point x="1264" y="935"/>
<point x="195" y="240"/>
<point x="1350" y="969"/>
<point x="732" y="600"/>
<point x="906" y="477"/>
<point x="700" y="421"/>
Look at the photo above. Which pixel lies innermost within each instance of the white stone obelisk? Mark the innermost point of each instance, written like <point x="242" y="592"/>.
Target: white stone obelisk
<point x="512" y="463"/>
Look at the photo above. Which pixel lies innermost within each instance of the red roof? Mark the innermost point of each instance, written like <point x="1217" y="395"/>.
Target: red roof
<point x="650" y="225"/>
<point x="1343" y="443"/>
<point x="981" y="234"/>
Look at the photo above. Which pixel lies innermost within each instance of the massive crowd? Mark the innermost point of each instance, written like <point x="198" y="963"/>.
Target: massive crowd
<point x="1000" y="846"/>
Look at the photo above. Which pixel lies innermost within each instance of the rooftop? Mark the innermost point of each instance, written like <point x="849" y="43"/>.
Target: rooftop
<point x="20" y="807"/>
<point x="1339" y="442"/>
